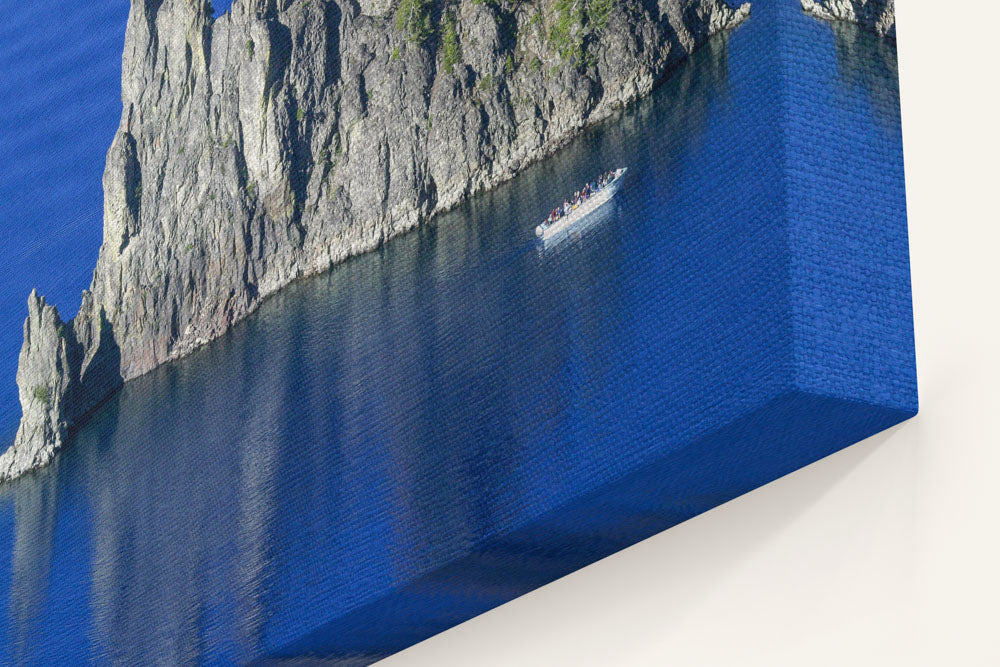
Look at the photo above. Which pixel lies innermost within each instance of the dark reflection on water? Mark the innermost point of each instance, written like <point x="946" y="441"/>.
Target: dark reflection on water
<point x="868" y="63"/>
<point x="35" y="511"/>
<point x="373" y="423"/>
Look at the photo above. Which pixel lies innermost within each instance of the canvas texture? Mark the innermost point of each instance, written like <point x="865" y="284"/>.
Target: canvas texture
<point x="403" y="310"/>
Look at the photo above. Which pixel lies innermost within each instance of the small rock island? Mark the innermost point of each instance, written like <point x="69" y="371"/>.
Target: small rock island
<point x="283" y="136"/>
<point x="878" y="16"/>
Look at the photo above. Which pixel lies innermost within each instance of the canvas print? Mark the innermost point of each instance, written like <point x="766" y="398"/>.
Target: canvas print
<point x="395" y="310"/>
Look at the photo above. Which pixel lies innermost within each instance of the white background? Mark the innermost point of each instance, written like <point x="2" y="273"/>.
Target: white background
<point x="886" y="553"/>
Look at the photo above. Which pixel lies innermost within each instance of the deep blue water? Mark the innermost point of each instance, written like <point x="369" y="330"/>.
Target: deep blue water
<point x="368" y="424"/>
<point x="60" y="100"/>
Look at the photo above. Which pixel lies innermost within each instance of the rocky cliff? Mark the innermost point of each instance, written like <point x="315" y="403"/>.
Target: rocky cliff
<point x="286" y="135"/>
<point x="878" y="16"/>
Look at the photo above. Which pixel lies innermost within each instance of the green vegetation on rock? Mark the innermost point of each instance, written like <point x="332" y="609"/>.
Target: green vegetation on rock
<point x="486" y="83"/>
<point x="566" y="33"/>
<point x="451" y="50"/>
<point x="598" y="12"/>
<point x="413" y="17"/>
<point x="575" y="22"/>
<point x="42" y="394"/>
<point x="508" y="65"/>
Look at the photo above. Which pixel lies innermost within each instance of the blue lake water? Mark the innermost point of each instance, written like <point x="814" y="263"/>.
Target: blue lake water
<point x="60" y="100"/>
<point x="369" y="423"/>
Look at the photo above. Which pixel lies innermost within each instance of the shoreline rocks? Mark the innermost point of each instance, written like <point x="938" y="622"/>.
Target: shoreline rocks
<point x="878" y="16"/>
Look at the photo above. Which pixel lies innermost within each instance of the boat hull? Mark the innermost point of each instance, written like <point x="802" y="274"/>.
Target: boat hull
<point x="583" y="211"/>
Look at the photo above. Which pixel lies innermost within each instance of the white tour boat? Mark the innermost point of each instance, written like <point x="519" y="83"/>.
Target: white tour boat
<point x="581" y="209"/>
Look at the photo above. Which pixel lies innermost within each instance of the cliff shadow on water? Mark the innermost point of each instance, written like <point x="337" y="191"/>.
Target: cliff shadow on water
<point x="365" y="424"/>
<point x="869" y="63"/>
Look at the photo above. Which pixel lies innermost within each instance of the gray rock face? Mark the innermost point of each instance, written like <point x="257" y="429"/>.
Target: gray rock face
<point x="285" y="136"/>
<point x="878" y="16"/>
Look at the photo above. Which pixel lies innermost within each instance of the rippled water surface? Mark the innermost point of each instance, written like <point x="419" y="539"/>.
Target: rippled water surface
<point x="370" y="423"/>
